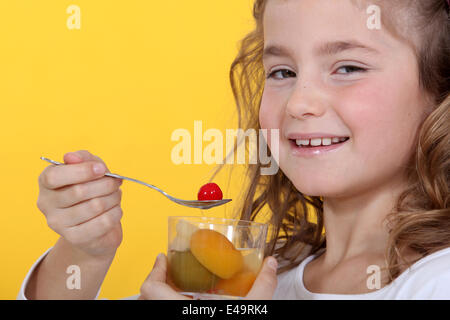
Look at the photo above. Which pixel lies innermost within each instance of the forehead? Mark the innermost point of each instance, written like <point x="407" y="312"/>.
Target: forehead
<point x="296" y="22"/>
<point x="307" y="11"/>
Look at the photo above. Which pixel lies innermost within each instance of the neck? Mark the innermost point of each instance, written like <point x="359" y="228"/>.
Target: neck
<point x="356" y="225"/>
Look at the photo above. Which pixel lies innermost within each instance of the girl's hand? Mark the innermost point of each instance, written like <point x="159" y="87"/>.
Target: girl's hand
<point x="81" y="204"/>
<point x="156" y="285"/>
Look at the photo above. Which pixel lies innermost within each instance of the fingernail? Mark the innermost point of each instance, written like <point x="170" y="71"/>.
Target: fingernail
<point x="73" y="154"/>
<point x="98" y="168"/>
<point x="272" y="263"/>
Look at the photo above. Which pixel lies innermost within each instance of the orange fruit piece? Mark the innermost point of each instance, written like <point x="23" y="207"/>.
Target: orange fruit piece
<point x="216" y="253"/>
<point x="239" y="285"/>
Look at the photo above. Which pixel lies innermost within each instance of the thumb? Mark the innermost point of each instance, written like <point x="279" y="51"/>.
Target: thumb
<point x="159" y="270"/>
<point x="266" y="282"/>
<point x="155" y="286"/>
<point x="158" y="273"/>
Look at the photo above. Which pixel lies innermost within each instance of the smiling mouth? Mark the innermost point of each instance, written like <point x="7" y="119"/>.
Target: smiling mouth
<point x="317" y="143"/>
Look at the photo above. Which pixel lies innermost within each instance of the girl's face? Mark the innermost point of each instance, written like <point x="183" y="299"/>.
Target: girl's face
<point x="329" y="74"/>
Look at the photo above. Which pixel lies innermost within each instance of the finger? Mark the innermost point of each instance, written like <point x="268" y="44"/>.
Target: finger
<point x="79" y="156"/>
<point x="159" y="275"/>
<point x="87" y="210"/>
<point x="266" y="282"/>
<point x="84" y="155"/>
<point x="57" y="176"/>
<point x="94" y="228"/>
<point x="155" y="286"/>
<point x="159" y="270"/>
<point x="72" y="157"/>
<point x="71" y="195"/>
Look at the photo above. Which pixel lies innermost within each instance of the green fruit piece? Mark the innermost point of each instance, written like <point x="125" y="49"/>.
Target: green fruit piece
<point x="188" y="274"/>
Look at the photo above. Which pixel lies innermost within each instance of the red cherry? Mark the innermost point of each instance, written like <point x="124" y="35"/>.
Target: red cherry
<point x="210" y="191"/>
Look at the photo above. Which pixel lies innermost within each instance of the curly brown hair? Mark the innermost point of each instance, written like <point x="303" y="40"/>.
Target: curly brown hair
<point x="421" y="218"/>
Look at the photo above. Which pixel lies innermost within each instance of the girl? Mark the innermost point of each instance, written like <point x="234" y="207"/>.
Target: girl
<point x="360" y="207"/>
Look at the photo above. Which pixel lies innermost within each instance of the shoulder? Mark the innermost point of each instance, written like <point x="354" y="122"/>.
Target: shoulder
<point x="301" y="261"/>
<point x="286" y="284"/>
<point x="433" y="265"/>
<point x="290" y="282"/>
<point x="428" y="278"/>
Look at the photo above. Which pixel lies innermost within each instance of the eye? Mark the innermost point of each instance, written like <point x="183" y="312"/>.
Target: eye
<point x="351" y="69"/>
<point x="281" y="74"/>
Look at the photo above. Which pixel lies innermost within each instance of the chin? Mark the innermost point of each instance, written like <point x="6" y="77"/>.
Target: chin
<point x="327" y="183"/>
<point x="309" y="190"/>
<point x="319" y="190"/>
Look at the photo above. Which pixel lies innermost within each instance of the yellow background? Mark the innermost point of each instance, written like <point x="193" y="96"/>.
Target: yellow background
<point x="118" y="87"/>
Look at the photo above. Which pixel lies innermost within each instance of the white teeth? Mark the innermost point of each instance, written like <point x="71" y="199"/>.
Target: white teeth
<point x="326" y="141"/>
<point x="316" y="142"/>
<point x="302" y="142"/>
<point x="319" y="141"/>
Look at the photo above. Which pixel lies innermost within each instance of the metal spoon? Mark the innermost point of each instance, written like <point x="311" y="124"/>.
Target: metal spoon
<point x="200" y="204"/>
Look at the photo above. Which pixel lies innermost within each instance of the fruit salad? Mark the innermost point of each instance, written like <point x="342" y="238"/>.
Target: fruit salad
<point x="204" y="258"/>
<point x="215" y="256"/>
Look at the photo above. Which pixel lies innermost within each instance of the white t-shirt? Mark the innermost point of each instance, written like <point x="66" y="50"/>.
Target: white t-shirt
<point x="428" y="278"/>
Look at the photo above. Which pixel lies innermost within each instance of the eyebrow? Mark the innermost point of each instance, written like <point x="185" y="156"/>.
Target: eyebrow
<point x="328" y="48"/>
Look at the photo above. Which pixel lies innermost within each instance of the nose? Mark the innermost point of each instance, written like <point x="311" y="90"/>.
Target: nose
<point x="305" y="101"/>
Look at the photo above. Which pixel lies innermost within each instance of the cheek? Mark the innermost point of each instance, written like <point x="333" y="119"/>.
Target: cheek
<point x="384" y="117"/>
<point x="270" y="116"/>
<point x="270" y="112"/>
